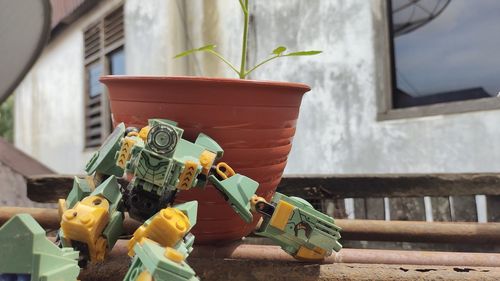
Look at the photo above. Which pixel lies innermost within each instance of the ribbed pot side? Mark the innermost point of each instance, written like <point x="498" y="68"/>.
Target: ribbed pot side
<point x="253" y="121"/>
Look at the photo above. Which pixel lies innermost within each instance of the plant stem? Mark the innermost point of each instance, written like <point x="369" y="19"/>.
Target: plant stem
<point x="245" y="37"/>
<point x="243" y="8"/>
<point x="224" y="60"/>
<point x="261" y="63"/>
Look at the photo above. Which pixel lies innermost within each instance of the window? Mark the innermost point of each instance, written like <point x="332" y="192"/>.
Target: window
<point x="444" y="51"/>
<point x="104" y="54"/>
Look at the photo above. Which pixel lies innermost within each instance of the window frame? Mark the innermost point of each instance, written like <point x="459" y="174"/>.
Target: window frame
<point x="386" y="110"/>
<point x="101" y="57"/>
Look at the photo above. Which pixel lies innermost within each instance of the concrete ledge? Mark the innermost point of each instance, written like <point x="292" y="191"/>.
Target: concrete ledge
<point x="253" y="270"/>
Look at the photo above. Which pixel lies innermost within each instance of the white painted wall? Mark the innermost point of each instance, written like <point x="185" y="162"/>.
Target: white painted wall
<point x="337" y="130"/>
<point x="49" y="122"/>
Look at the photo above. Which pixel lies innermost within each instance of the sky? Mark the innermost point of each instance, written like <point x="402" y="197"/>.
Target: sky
<point x="459" y="49"/>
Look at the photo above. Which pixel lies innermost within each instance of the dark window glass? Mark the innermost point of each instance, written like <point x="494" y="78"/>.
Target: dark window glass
<point x="94" y="71"/>
<point x="117" y="62"/>
<point x="444" y="50"/>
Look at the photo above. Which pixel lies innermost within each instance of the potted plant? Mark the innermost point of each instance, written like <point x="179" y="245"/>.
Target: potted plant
<point x="253" y="121"/>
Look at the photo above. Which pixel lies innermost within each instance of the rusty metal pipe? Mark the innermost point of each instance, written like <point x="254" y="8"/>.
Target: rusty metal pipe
<point x="49" y="218"/>
<point x="420" y="231"/>
<point x="370" y="230"/>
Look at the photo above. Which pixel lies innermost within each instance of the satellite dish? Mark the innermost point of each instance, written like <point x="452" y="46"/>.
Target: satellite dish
<point x="24" y="30"/>
<point x="408" y="15"/>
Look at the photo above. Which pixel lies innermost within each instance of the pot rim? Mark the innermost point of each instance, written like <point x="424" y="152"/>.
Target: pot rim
<point x="203" y="79"/>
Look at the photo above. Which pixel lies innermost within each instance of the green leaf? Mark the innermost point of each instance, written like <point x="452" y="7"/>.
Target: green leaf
<point x="201" y="49"/>
<point x="279" y="50"/>
<point x="303" y="53"/>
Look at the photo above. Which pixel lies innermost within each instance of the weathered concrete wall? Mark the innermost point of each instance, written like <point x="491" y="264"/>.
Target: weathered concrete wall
<point x="158" y="30"/>
<point x="337" y="130"/>
<point x="154" y="33"/>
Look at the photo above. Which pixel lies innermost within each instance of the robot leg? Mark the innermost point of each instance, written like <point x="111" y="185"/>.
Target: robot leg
<point x="160" y="247"/>
<point x="91" y="222"/>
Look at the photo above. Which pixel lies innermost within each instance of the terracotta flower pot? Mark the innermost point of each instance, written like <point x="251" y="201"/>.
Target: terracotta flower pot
<point x="253" y="121"/>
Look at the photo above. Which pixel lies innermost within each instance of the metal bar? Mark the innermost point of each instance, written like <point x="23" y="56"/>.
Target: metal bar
<point x="49" y="218"/>
<point x="420" y="231"/>
<point x="364" y="256"/>
<point x="48" y="188"/>
<point x="369" y="230"/>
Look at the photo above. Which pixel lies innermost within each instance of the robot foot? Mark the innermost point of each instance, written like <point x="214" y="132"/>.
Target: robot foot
<point x="153" y="262"/>
<point x="160" y="247"/>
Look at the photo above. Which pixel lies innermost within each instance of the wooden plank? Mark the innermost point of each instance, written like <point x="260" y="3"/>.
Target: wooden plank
<point x="328" y="206"/>
<point x="333" y="207"/>
<point x="407" y="209"/>
<point x="20" y="162"/>
<point x="441" y="208"/>
<point x="369" y="208"/>
<point x="330" y="187"/>
<point x="49" y="188"/>
<point x="359" y="208"/>
<point x="392" y="185"/>
<point x="493" y="208"/>
<point x="339" y="211"/>
<point x="375" y="209"/>
<point x="463" y="208"/>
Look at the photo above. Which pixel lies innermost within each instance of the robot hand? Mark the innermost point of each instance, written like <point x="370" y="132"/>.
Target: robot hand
<point x="290" y="222"/>
<point x="297" y="227"/>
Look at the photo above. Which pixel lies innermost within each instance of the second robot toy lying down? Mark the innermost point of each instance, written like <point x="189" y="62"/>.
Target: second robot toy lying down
<point x="160" y="163"/>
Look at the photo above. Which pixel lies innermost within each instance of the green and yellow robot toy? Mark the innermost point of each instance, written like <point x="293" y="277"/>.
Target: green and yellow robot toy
<point x="159" y="164"/>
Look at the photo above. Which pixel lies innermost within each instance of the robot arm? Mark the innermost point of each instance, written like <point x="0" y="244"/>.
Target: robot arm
<point x="291" y="222"/>
<point x="104" y="160"/>
<point x="91" y="217"/>
<point x="236" y="189"/>
<point x="117" y="153"/>
<point x="300" y="230"/>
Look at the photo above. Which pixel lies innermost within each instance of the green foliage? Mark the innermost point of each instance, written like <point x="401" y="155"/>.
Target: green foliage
<point x="7" y="119"/>
<point x="279" y="50"/>
<point x="303" y="53"/>
<point x="188" y="52"/>
<point x="243" y="72"/>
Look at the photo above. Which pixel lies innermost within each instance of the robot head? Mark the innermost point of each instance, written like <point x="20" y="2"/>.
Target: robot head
<point x="163" y="137"/>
